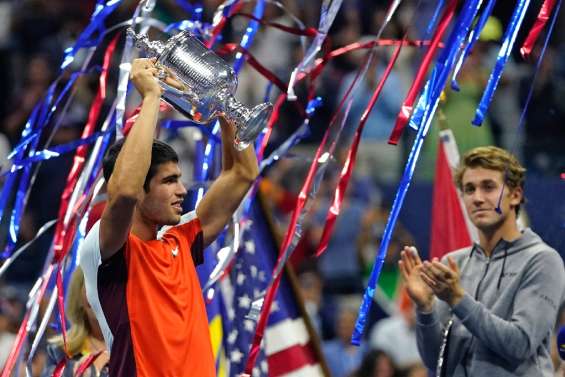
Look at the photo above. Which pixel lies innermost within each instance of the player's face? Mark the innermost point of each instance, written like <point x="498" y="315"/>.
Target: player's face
<point x="162" y="204"/>
<point x="483" y="192"/>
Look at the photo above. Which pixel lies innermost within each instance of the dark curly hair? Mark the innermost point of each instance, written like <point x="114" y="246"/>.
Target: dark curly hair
<point x="160" y="153"/>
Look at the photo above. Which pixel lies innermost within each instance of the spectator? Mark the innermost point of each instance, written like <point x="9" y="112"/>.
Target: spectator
<point x="376" y="364"/>
<point x="84" y="338"/>
<point x="396" y="335"/>
<point x="342" y="357"/>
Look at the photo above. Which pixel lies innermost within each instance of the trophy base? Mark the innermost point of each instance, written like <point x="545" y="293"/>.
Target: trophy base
<point x="248" y="132"/>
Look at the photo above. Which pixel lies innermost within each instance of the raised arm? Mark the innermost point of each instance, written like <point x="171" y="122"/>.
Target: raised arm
<point x="132" y="164"/>
<point x="239" y="170"/>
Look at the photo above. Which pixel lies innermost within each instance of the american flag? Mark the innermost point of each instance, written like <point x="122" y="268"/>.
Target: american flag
<point x="288" y="348"/>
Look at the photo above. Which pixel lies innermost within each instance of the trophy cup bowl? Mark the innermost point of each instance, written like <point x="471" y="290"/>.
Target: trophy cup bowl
<point x="207" y="84"/>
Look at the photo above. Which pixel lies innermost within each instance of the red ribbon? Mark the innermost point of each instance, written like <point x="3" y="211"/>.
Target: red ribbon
<point x="230" y="48"/>
<point x="306" y="32"/>
<point x="539" y="24"/>
<point x="60" y="368"/>
<point x="220" y="26"/>
<point x="268" y="301"/>
<point x="274" y="118"/>
<point x="87" y="363"/>
<point x="65" y="232"/>
<point x="321" y="62"/>
<point x="22" y="332"/>
<point x="300" y="204"/>
<point x="347" y="169"/>
<point x="408" y="104"/>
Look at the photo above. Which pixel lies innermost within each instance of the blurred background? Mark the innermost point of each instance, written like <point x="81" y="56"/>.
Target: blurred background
<point x="35" y="33"/>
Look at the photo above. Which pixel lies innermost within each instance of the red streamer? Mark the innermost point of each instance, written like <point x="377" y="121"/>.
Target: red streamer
<point x="65" y="231"/>
<point x="87" y="363"/>
<point x="274" y="118"/>
<point x="60" y="368"/>
<point x="268" y="301"/>
<point x="22" y="332"/>
<point x="306" y="32"/>
<point x="408" y="104"/>
<point x="539" y="24"/>
<point x="230" y="48"/>
<point x="300" y="204"/>
<point x="347" y="169"/>
<point x="221" y="24"/>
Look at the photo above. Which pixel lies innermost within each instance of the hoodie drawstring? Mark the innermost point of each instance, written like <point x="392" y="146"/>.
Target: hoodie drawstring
<point x="502" y="270"/>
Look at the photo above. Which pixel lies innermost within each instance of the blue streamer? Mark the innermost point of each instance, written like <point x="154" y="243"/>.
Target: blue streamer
<point x="473" y="38"/>
<point x="507" y="44"/>
<point x="12" y="174"/>
<point x="198" y="10"/>
<point x="537" y="68"/>
<point x="23" y="187"/>
<point x="176" y="124"/>
<point x="101" y="12"/>
<point x="302" y="132"/>
<point x="251" y="30"/>
<point x="197" y="28"/>
<point x="26" y="140"/>
<point x="246" y="41"/>
<point x="195" y="24"/>
<point x="186" y="6"/>
<point x="435" y="86"/>
<point x="435" y="17"/>
<point x="100" y="157"/>
<point x="60" y="149"/>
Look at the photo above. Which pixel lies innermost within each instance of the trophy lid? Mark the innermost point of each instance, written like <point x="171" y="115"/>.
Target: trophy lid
<point x="151" y="48"/>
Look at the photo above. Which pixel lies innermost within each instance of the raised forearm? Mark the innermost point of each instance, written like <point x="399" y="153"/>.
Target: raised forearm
<point x="134" y="159"/>
<point x="243" y="163"/>
<point x="239" y="170"/>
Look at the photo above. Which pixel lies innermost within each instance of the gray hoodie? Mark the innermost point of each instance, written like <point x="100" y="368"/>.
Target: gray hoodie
<point x="503" y="325"/>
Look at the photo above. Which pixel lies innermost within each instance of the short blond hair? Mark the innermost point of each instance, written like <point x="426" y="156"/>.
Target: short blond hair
<point x="493" y="158"/>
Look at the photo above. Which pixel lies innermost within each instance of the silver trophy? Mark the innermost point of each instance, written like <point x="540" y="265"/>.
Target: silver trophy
<point x="208" y="84"/>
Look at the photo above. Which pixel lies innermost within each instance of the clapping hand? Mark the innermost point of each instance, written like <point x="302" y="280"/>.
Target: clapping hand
<point x="410" y="266"/>
<point x="443" y="280"/>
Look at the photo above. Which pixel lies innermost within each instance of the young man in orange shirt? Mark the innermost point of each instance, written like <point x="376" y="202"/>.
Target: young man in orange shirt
<point x="139" y="259"/>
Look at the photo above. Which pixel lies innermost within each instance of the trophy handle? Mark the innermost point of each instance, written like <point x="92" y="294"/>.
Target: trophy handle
<point x="249" y="122"/>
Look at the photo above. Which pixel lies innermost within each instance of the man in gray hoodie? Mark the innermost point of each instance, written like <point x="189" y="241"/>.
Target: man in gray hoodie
<point x="498" y="299"/>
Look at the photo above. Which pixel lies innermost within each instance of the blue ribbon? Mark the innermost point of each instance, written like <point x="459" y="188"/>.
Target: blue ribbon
<point x="435" y="17"/>
<point x="186" y="6"/>
<point x="23" y="187"/>
<point x="246" y="41"/>
<point x="473" y="38"/>
<point x="101" y="12"/>
<point x="195" y="25"/>
<point x="7" y="188"/>
<point x="176" y="124"/>
<point x="435" y="85"/>
<point x="58" y="150"/>
<point x="507" y="44"/>
<point x="249" y="35"/>
<point x="25" y="140"/>
<point x="302" y="132"/>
